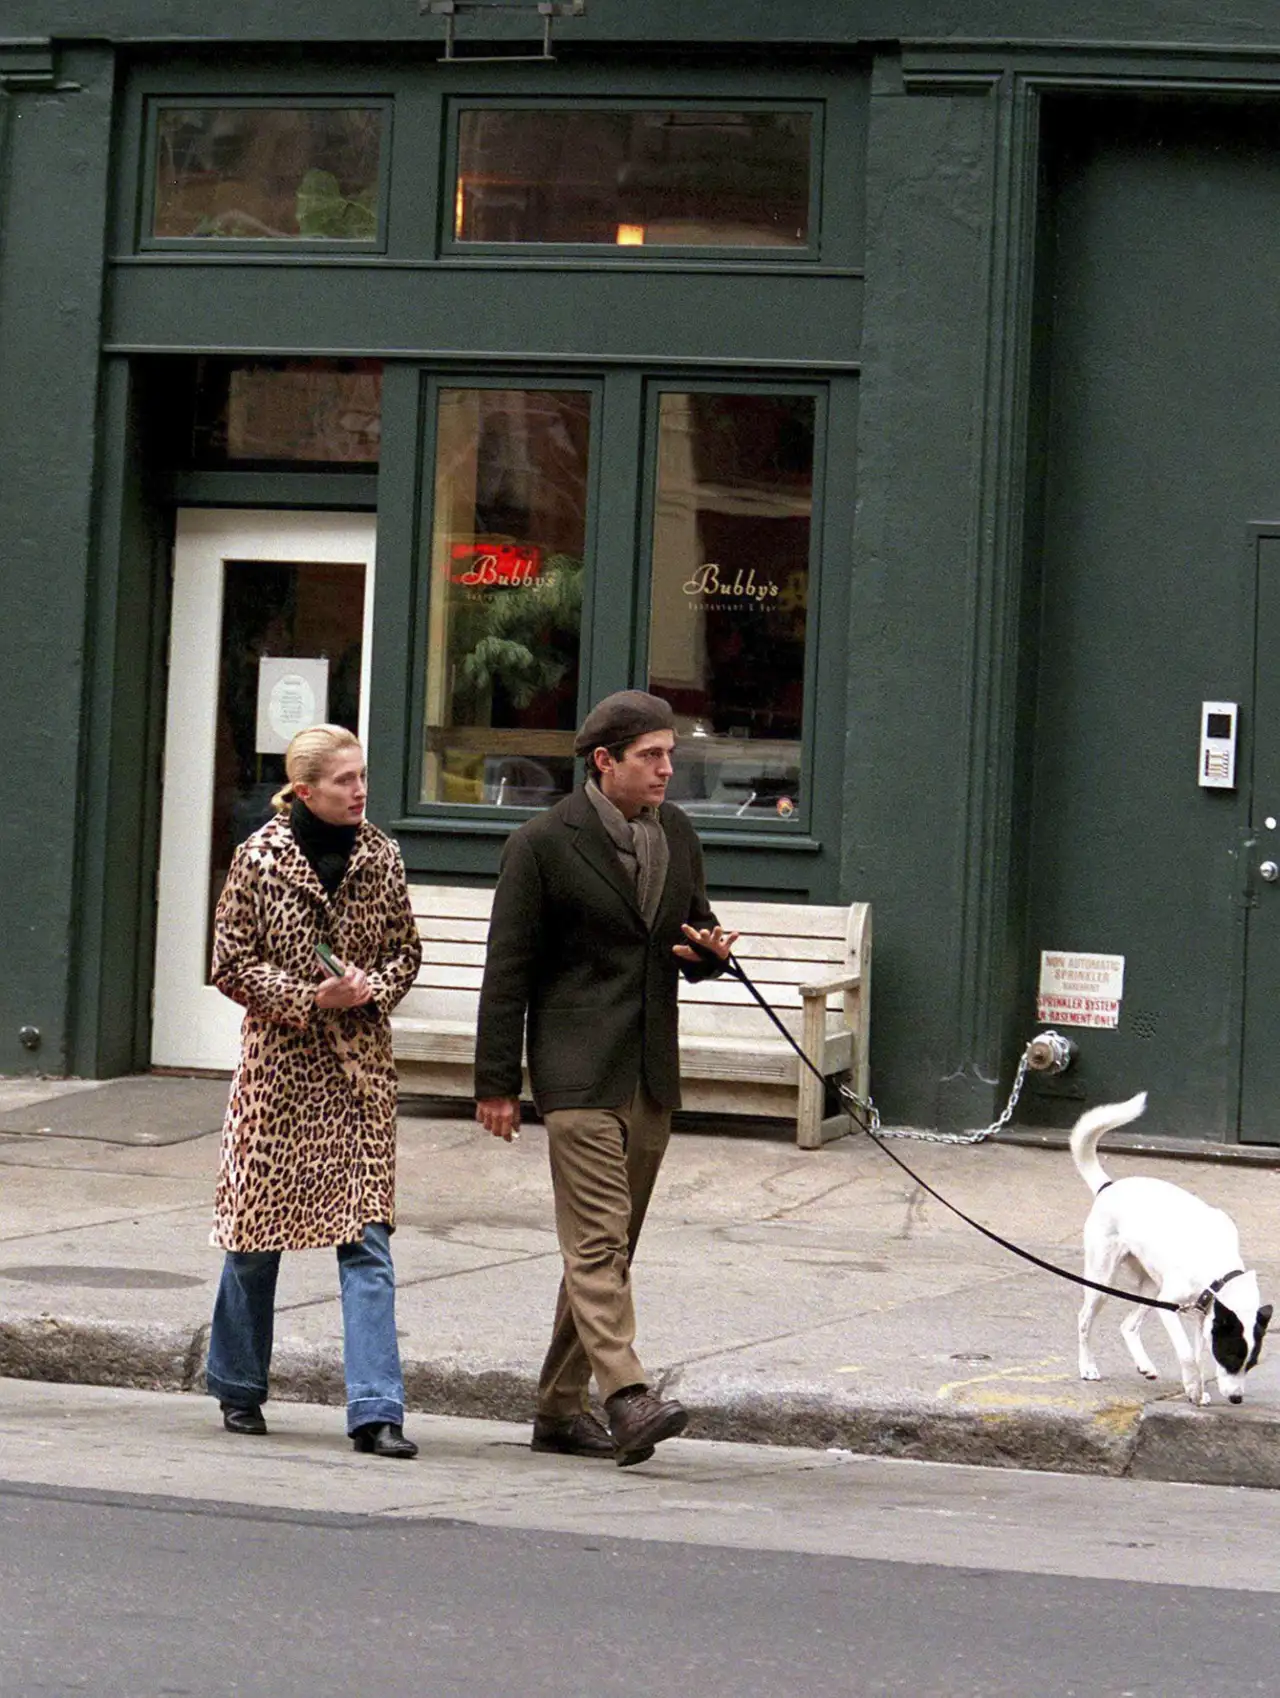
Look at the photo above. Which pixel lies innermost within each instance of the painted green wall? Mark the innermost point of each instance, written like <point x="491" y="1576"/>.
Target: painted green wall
<point x="729" y="22"/>
<point x="54" y="177"/>
<point x="920" y="693"/>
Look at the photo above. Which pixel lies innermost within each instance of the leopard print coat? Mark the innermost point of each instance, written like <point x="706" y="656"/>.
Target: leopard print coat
<point x="309" y="1142"/>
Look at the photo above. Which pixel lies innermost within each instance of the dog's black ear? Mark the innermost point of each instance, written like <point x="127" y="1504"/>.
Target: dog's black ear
<point x="1227" y="1341"/>
<point x="1260" y="1325"/>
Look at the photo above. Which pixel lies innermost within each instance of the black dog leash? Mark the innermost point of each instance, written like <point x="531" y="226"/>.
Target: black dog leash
<point x="855" y="1108"/>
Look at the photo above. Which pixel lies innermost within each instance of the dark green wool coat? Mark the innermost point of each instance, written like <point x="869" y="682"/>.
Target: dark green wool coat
<point x="570" y="953"/>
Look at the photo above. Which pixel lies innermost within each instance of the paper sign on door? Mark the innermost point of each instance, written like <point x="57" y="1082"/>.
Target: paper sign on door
<point x="292" y="694"/>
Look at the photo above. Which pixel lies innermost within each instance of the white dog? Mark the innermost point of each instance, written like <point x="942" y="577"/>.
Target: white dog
<point x="1179" y="1250"/>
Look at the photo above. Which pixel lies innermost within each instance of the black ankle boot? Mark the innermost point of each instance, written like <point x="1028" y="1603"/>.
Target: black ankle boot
<point x="243" y="1418"/>
<point x="384" y="1438"/>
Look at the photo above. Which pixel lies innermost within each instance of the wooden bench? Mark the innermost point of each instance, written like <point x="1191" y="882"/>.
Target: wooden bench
<point x="732" y="1059"/>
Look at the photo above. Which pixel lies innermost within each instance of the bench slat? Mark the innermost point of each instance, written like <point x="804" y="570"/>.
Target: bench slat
<point x="770" y="973"/>
<point x="747" y="1025"/>
<point x="451" y="901"/>
<point x="462" y="979"/>
<point x="463" y="931"/>
<point x="447" y="952"/>
<point x="430" y="1002"/>
<point x="783" y="919"/>
<point x="721" y="993"/>
<point x="751" y="947"/>
<point x="452" y="976"/>
<point x="457" y="964"/>
<point x="771" y="1061"/>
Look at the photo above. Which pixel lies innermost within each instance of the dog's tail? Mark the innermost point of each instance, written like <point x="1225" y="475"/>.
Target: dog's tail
<point x="1090" y="1127"/>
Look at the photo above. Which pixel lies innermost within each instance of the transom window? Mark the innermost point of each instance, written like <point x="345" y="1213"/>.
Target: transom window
<point x="263" y="173"/>
<point x="296" y="413"/>
<point x="656" y="177"/>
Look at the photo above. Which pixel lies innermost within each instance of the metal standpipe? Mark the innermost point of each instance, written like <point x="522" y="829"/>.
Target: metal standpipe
<point x="1050" y="1053"/>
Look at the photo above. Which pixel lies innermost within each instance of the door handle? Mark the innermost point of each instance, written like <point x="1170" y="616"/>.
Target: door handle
<point x="1269" y="872"/>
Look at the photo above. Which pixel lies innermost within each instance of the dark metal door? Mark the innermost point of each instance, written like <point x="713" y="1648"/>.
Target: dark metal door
<point x="1260" y="1045"/>
<point x="1160" y="429"/>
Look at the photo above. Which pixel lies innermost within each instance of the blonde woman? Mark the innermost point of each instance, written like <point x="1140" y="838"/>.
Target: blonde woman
<point x="309" y="1143"/>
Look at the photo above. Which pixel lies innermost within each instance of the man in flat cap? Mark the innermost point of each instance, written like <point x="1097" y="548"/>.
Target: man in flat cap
<point x="601" y="903"/>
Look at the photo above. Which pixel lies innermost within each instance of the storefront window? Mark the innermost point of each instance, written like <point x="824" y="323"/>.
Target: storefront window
<point x="294" y="413"/>
<point x="508" y="545"/>
<point x="266" y="173"/>
<point x="628" y="178"/>
<point x="730" y="597"/>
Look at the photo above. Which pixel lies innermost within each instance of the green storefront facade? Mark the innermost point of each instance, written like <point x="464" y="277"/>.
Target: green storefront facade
<point x="890" y="385"/>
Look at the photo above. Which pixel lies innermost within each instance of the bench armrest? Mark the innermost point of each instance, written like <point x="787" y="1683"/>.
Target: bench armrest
<point x="827" y="987"/>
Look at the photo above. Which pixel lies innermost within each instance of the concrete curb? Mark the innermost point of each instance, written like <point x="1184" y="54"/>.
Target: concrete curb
<point x="1162" y="1441"/>
<point x="68" y="1351"/>
<point x="1008" y="1438"/>
<point x="1217" y="1446"/>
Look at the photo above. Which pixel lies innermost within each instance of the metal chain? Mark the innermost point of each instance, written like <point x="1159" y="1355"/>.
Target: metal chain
<point x="867" y="1116"/>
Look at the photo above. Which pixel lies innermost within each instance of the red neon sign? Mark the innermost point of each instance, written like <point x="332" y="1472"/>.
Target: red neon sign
<point x="495" y="563"/>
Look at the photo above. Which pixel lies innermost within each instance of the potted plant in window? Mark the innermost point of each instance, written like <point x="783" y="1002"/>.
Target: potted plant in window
<point x="521" y="640"/>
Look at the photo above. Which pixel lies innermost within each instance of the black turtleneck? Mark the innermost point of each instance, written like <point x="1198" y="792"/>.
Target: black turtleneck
<point x="327" y="847"/>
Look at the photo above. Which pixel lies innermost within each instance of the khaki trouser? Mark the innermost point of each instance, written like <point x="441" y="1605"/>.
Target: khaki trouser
<point x="604" y="1162"/>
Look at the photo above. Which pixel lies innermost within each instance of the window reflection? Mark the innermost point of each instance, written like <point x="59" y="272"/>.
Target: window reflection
<point x="287" y="412"/>
<point x="507" y="553"/>
<point x="674" y="178"/>
<point x="730" y="596"/>
<point x="265" y="173"/>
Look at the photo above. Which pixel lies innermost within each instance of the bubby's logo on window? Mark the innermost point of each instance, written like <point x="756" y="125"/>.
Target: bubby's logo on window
<point x="495" y="563"/>
<point x="712" y="582"/>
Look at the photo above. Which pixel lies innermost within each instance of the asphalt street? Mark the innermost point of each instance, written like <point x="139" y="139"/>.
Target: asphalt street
<point x="144" y="1553"/>
<point x="139" y="1599"/>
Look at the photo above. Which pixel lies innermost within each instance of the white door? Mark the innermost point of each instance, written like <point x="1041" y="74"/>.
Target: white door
<point x="272" y="629"/>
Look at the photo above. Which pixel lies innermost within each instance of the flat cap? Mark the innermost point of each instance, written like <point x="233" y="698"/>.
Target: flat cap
<point x="621" y="718"/>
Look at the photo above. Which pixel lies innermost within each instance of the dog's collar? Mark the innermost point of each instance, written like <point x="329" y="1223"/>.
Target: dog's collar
<point x="1103" y="1187"/>
<point x="1206" y="1297"/>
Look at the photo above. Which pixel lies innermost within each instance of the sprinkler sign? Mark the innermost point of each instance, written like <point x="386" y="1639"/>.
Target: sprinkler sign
<point x="1080" y="990"/>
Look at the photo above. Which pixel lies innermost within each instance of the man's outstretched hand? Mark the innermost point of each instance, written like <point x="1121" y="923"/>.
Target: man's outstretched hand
<point x="717" y="940"/>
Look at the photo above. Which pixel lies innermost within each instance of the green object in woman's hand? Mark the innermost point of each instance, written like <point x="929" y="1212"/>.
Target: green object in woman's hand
<point x="329" y="961"/>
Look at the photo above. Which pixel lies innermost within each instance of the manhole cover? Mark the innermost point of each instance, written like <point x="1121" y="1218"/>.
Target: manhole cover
<point x="106" y="1279"/>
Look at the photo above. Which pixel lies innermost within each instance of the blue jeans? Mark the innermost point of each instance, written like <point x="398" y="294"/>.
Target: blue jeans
<point x="244" y="1319"/>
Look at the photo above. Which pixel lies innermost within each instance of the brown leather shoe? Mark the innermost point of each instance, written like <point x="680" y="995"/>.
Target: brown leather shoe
<point x="576" y="1435"/>
<point x="638" y="1421"/>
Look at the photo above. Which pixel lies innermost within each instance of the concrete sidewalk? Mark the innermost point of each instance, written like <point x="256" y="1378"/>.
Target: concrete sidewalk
<point x="785" y="1296"/>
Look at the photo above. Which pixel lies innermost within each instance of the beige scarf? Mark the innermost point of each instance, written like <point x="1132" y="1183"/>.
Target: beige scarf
<point x="642" y="848"/>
